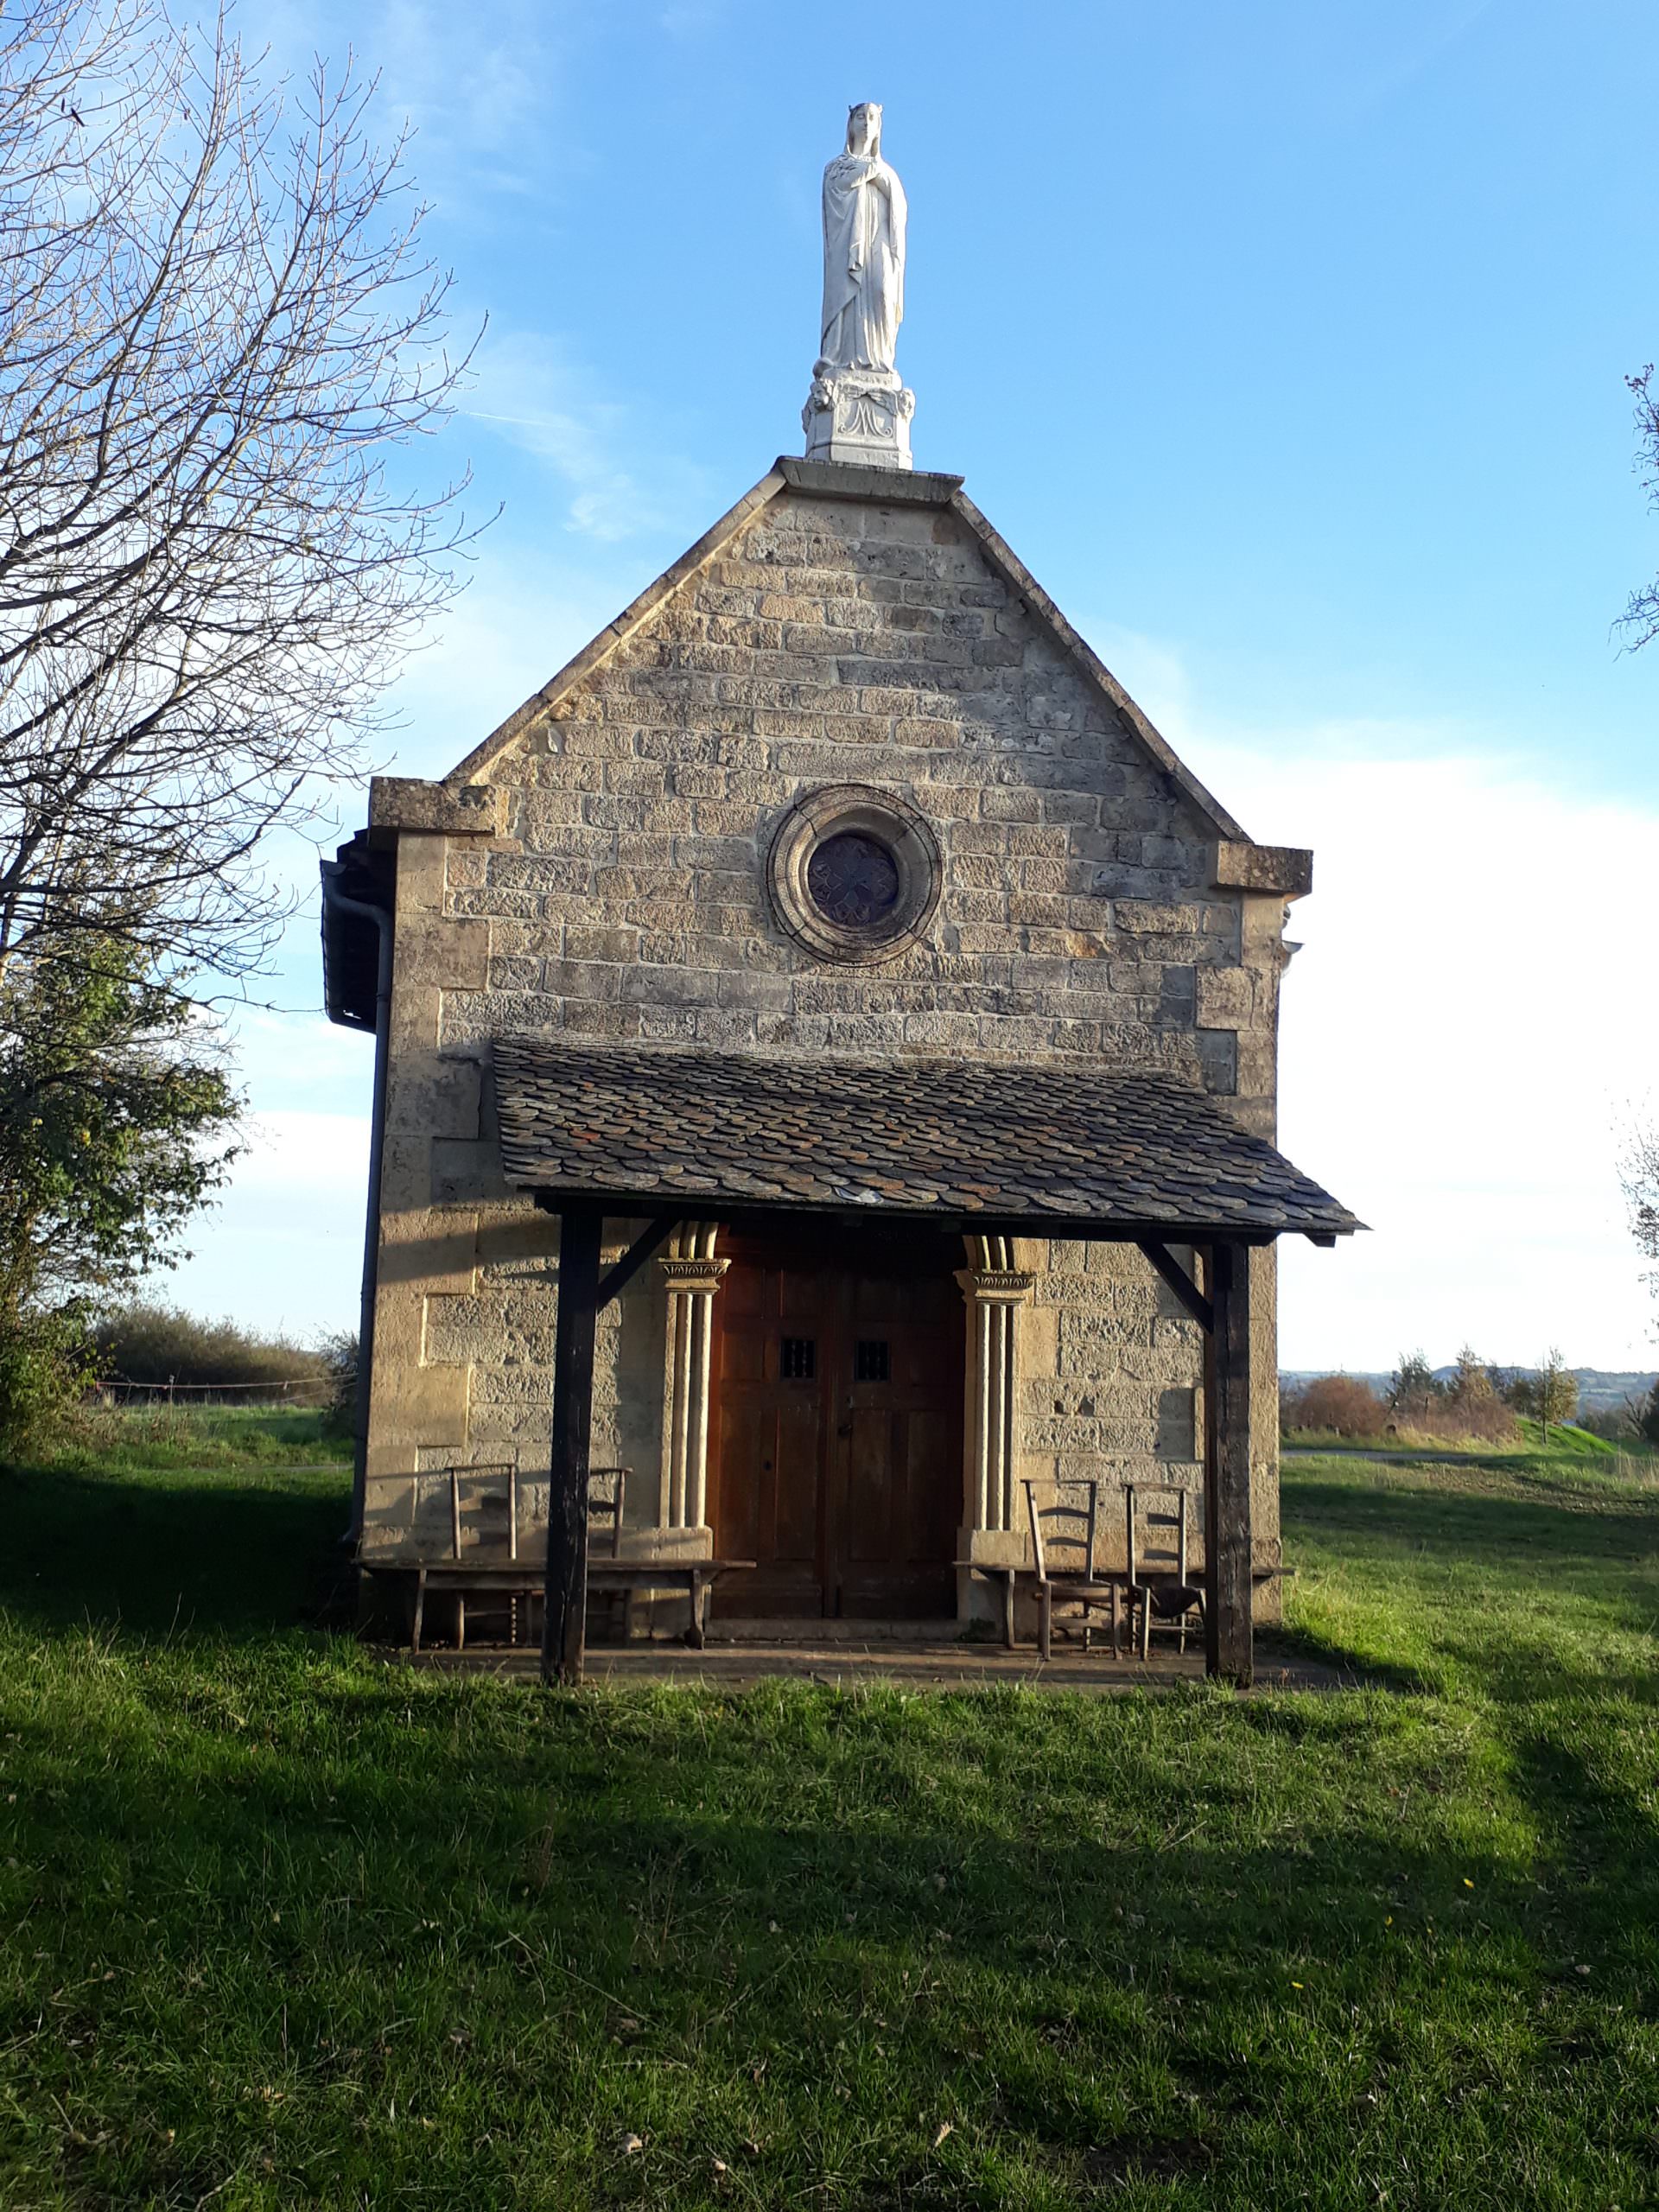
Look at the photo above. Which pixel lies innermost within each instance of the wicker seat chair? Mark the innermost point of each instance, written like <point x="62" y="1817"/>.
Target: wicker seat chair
<point x="1063" y="1547"/>
<point x="1162" y="1591"/>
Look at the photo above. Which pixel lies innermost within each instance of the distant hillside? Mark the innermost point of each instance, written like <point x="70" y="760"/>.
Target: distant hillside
<point x="1599" y="1388"/>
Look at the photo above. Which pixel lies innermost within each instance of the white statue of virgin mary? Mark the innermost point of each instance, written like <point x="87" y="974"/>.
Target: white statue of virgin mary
<point x="863" y="252"/>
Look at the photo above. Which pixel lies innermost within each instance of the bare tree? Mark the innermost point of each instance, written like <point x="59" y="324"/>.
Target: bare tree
<point x="1640" y="622"/>
<point x="1639" y="1174"/>
<point x="218" y="325"/>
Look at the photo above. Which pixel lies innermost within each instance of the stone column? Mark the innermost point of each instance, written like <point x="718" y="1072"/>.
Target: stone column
<point x="691" y="1275"/>
<point x="991" y="1519"/>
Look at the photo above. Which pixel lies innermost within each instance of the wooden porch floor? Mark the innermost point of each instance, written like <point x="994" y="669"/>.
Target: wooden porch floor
<point x="848" y="1655"/>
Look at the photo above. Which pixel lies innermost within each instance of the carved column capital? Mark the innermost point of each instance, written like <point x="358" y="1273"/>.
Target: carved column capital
<point x="682" y="1278"/>
<point x="994" y="1285"/>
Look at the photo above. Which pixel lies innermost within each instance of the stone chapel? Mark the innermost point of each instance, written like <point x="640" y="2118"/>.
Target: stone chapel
<point x="836" y="956"/>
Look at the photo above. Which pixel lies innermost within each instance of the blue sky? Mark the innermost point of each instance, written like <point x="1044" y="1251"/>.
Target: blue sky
<point x="1286" y="344"/>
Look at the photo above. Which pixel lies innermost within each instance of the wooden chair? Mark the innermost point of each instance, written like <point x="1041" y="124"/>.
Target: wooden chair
<point x="453" y="1475"/>
<point x="479" y="1572"/>
<point x="1068" y="1529"/>
<point x="1161" y="1582"/>
<point x="604" y="1509"/>
<point x="610" y="1508"/>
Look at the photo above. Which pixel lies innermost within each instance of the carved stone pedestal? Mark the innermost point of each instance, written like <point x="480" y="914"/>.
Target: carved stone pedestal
<point x="859" y="415"/>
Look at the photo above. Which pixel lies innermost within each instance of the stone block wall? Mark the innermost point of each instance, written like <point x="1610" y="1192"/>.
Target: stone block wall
<point x="836" y="643"/>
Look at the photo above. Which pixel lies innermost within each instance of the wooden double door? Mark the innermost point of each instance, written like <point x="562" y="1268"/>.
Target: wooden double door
<point x="836" y="1441"/>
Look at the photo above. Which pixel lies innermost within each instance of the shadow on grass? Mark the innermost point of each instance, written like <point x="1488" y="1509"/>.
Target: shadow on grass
<point x="1287" y="1644"/>
<point x="1477" y="1528"/>
<point x="238" y="1553"/>
<point x="702" y="1917"/>
<point x="1601" y="1910"/>
<point x="743" y="1889"/>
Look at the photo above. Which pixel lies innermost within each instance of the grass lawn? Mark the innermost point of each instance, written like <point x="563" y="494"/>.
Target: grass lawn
<point x="283" y="1925"/>
<point x="213" y="1438"/>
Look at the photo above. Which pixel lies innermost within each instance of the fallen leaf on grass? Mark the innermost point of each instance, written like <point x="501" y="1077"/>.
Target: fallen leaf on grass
<point x="943" y="2129"/>
<point x="628" y="2144"/>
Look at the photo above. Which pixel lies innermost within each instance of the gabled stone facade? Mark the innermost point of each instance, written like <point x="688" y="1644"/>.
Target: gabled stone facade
<point x="601" y="866"/>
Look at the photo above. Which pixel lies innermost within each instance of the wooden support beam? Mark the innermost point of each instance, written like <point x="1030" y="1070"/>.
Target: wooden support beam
<point x="565" y="1620"/>
<point x="1229" y="1640"/>
<point x="652" y="1238"/>
<point x="1181" y="1283"/>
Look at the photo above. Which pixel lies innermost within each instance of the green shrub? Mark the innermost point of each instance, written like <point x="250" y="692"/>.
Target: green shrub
<point x="1336" y="1405"/>
<point x="46" y="1362"/>
<point x="339" y="1351"/>
<point x="147" y="1341"/>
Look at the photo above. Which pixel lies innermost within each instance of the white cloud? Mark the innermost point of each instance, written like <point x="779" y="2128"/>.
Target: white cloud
<point x="527" y="390"/>
<point x="1462" y="1036"/>
<point x="324" y="1155"/>
<point x="481" y="88"/>
<point x="518" y="621"/>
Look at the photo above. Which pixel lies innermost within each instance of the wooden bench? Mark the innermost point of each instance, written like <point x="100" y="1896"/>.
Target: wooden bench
<point x="522" y="1580"/>
<point x="482" y="1569"/>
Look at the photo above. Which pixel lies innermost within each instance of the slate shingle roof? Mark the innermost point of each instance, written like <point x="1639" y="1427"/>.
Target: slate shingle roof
<point x="917" y="1137"/>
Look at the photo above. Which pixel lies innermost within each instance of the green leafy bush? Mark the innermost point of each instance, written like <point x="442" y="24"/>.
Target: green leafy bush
<point x="340" y="1351"/>
<point x="116" y="1127"/>
<point x="46" y="1362"/>
<point x="148" y="1342"/>
<point x="1336" y="1405"/>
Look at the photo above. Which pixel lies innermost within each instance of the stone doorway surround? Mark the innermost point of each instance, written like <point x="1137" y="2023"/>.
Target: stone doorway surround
<point x="994" y="1288"/>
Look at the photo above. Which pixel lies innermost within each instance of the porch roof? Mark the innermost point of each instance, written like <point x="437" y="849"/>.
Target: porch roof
<point x="1048" y="1149"/>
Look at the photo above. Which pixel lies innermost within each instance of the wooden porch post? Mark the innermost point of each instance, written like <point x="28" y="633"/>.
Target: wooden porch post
<point x="1228" y="1628"/>
<point x="565" y="1617"/>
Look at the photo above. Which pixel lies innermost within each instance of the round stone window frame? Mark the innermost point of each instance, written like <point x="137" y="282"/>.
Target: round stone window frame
<point x="840" y="809"/>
